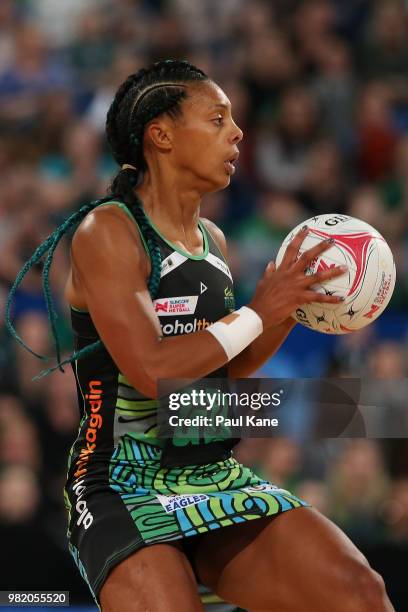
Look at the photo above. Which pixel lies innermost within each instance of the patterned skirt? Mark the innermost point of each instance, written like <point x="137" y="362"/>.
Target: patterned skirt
<point x="142" y="503"/>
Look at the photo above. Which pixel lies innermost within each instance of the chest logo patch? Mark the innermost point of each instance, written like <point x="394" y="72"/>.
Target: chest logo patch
<point x="183" y="305"/>
<point x="229" y="300"/>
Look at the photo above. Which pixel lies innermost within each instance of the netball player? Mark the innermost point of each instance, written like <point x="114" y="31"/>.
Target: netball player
<point x="148" y="291"/>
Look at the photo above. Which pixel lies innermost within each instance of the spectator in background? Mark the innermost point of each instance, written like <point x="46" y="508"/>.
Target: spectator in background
<point x="198" y="19"/>
<point x="395" y="190"/>
<point x="19" y="442"/>
<point x="270" y="67"/>
<point x="387" y="393"/>
<point x="395" y="511"/>
<point x="316" y="493"/>
<point x="32" y="326"/>
<point x="367" y="204"/>
<point x="282" y="462"/>
<point x="91" y="51"/>
<point x="383" y="53"/>
<point x="376" y="136"/>
<point x="19" y="494"/>
<point x="351" y="354"/>
<point x="281" y="155"/>
<point x="325" y="185"/>
<point x="335" y="89"/>
<point x="259" y="237"/>
<point x="29" y="225"/>
<point x="124" y="63"/>
<point x="314" y="23"/>
<point x="56" y="110"/>
<point x="8" y="23"/>
<point x="80" y="168"/>
<point x="34" y="560"/>
<point x="59" y="21"/>
<point x="58" y="423"/>
<point x="33" y="72"/>
<point x="357" y="484"/>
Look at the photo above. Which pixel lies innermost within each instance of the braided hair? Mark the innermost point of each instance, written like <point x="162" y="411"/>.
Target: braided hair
<point x="148" y="93"/>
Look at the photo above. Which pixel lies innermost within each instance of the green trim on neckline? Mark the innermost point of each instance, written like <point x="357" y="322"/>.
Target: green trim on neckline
<point x="78" y="309"/>
<point x="176" y="248"/>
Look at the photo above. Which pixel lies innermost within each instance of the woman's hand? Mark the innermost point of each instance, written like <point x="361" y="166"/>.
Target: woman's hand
<point x="281" y="291"/>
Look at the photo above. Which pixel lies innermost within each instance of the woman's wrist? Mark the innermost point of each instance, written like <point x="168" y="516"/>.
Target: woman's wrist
<point x="289" y="323"/>
<point x="237" y="330"/>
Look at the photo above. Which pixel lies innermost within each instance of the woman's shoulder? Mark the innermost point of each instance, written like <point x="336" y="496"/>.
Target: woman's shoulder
<point x="109" y="226"/>
<point x="105" y="209"/>
<point x="103" y="218"/>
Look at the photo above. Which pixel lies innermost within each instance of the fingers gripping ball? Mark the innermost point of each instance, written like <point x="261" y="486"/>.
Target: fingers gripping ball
<point x="367" y="286"/>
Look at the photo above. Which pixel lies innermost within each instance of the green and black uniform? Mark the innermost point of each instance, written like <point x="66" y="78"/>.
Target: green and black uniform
<point x="119" y="494"/>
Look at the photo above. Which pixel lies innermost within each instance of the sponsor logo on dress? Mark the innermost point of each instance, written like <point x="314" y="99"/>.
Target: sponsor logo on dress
<point x="95" y="420"/>
<point x="171" y="503"/>
<point x="179" y="327"/>
<point x="229" y="300"/>
<point x="183" y="305"/>
<point x="85" y="516"/>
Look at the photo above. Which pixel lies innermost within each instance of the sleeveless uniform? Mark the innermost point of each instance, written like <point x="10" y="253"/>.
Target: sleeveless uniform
<point x="120" y="493"/>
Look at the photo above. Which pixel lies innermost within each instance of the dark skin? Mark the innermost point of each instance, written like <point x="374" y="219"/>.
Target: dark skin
<point x="179" y="166"/>
<point x="298" y="560"/>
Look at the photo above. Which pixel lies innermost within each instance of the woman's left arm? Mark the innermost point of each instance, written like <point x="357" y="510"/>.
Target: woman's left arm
<point x="267" y="344"/>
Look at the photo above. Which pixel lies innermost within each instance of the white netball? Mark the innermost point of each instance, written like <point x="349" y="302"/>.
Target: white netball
<point x="367" y="286"/>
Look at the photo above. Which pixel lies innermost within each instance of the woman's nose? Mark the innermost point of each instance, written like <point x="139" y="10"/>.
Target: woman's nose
<point x="237" y="134"/>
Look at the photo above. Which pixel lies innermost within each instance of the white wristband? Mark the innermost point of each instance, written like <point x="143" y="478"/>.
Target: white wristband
<point x="237" y="330"/>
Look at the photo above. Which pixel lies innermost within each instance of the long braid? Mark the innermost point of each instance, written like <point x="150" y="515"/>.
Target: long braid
<point x="142" y="96"/>
<point x="49" y="245"/>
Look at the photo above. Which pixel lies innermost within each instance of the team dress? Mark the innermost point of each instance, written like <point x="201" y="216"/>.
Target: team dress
<point x="126" y="487"/>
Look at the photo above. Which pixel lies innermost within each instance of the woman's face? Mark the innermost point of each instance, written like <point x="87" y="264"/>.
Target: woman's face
<point x="205" y="138"/>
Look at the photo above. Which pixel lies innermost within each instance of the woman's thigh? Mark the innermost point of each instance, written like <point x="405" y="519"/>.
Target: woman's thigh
<point x="298" y="561"/>
<point x="154" y="579"/>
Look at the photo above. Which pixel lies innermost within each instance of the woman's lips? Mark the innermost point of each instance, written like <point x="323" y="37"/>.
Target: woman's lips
<point x="230" y="168"/>
<point x="229" y="163"/>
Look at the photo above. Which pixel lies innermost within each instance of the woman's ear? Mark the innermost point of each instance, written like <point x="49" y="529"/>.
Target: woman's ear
<point x="160" y="135"/>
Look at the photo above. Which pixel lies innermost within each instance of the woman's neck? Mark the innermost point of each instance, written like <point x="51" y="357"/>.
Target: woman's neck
<point x="174" y="208"/>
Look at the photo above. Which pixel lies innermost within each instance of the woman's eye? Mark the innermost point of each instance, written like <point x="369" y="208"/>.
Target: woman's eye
<point x="218" y="120"/>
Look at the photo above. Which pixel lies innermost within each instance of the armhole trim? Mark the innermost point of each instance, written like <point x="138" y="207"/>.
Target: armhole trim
<point x="129" y="214"/>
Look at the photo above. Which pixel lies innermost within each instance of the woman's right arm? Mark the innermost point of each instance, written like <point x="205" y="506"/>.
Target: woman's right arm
<point x="110" y="265"/>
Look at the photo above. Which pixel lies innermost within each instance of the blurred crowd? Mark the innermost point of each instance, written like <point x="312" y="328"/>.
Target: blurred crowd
<point x="320" y="89"/>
